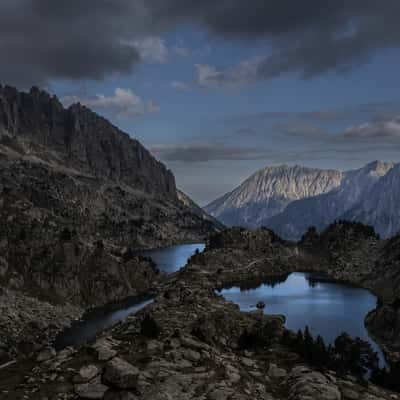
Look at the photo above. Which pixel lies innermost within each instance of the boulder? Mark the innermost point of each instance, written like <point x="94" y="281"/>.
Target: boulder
<point x="120" y="374"/>
<point x="91" y="390"/>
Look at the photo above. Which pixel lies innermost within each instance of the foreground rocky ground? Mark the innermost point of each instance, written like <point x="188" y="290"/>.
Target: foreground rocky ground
<point x="77" y="195"/>
<point x="346" y="252"/>
<point x="189" y="350"/>
<point x="187" y="343"/>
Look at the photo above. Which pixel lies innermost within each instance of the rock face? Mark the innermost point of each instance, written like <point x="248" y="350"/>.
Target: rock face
<point x="351" y="200"/>
<point x="77" y="198"/>
<point x="86" y="141"/>
<point x="269" y="191"/>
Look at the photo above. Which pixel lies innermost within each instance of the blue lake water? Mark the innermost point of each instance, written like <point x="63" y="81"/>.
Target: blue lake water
<point x="168" y="260"/>
<point x="328" y="309"/>
<point x="173" y="258"/>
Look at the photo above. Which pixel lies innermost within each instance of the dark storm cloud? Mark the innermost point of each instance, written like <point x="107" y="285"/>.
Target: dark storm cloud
<point x="80" y="39"/>
<point x="44" y="39"/>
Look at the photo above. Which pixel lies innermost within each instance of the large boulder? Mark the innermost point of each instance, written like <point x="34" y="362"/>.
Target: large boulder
<point x="120" y="374"/>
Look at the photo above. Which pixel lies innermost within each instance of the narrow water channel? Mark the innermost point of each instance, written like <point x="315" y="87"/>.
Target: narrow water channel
<point x="168" y="260"/>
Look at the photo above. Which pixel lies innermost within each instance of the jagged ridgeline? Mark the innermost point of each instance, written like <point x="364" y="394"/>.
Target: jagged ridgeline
<point x="290" y="199"/>
<point x="75" y="194"/>
<point x="82" y="139"/>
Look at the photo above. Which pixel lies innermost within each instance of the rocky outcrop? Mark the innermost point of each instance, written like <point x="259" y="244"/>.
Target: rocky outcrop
<point x="196" y="354"/>
<point x="84" y="140"/>
<point x="77" y="197"/>
<point x="188" y="202"/>
<point x="27" y="324"/>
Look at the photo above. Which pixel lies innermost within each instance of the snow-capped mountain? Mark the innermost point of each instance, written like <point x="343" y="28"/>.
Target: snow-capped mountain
<point x="352" y="200"/>
<point x="381" y="207"/>
<point x="267" y="193"/>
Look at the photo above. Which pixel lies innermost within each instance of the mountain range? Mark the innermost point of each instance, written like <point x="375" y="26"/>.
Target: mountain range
<point x="290" y="199"/>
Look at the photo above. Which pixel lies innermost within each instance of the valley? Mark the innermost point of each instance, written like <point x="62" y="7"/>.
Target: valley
<point x="110" y="277"/>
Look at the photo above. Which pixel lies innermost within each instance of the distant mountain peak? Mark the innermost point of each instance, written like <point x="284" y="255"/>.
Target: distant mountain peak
<point x="268" y="191"/>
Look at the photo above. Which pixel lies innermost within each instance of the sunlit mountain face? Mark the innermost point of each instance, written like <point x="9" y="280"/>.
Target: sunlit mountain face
<point x="218" y="90"/>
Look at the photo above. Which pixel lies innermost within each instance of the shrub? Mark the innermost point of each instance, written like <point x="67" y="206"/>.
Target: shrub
<point x="149" y="327"/>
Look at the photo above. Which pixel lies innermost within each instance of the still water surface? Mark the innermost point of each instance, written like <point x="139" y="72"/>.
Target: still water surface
<point x="168" y="260"/>
<point x="172" y="259"/>
<point x="327" y="308"/>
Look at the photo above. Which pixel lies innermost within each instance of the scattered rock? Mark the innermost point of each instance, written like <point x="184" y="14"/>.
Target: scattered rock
<point x="91" y="390"/>
<point x="86" y="373"/>
<point x="46" y="354"/>
<point x="276" y="373"/>
<point x="120" y="374"/>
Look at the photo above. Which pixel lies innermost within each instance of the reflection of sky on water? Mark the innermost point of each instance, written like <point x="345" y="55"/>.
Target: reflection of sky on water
<point x="86" y="330"/>
<point x="173" y="258"/>
<point x="169" y="259"/>
<point x="327" y="308"/>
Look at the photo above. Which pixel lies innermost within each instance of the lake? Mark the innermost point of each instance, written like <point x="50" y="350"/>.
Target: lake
<point x="327" y="308"/>
<point x="168" y="260"/>
<point x="173" y="258"/>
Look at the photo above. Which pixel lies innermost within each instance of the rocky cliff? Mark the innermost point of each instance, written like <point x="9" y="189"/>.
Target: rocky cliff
<point x="82" y="139"/>
<point x="77" y="197"/>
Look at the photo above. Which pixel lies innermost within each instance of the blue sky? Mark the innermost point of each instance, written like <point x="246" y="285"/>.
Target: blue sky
<point x="190" y="115"/>
<point x="217" y="99"/>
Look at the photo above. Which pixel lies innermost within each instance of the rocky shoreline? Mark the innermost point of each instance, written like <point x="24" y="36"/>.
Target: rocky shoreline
<point x="186" y="344"/>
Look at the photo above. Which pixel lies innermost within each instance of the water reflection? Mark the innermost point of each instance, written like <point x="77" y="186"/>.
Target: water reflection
<point x="168" y="260"/>
<point x="327" y="308"/>
<point x="98" y="320"/>
<point x="173" y="258"/>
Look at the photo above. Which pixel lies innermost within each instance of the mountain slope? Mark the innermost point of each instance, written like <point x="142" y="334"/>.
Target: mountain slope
<point x="320" y="211"/>
<point x="77" y="196"/>
<point x="380" y="208"/>
<point x="268" y="191"/>
<point x="82" y="139"/>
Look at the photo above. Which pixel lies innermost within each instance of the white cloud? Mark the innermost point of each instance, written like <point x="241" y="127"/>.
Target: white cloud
<point x="242" y="74"/>
<point x="182" y="50"/>
<point x="152" y="50"/>
<point x="123" y="102"/>
<point x="180" y="85"/>
<point x="389" y="128"/>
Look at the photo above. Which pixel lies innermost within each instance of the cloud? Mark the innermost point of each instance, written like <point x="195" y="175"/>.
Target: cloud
<point x="45" y="40"/>
<point x="180" y="85"/>
<point x="245" y="73"/>
<point x="152" y="50"/>
<point x="375" y="130"/>
<point x="205" y="152"/>
<point x="123" y="102"/>
<point x="378" y="111"/>
<point x="182" y="50"/>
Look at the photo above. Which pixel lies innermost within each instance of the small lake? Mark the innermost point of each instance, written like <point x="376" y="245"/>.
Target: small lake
<point x="171" y="259"/>
<point x="168" y="260"/>
<point x="327" y="308"/>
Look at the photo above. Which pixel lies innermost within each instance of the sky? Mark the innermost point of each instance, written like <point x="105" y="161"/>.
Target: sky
<point x="219" y="89"/>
